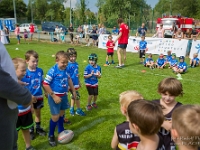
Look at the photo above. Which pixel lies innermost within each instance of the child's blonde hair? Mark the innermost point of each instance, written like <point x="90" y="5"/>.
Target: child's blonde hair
<point x="126" y="97"/>
<point x="195" y="55"/>
<point x="16" y="61"/>
<point x="186" y="121"/>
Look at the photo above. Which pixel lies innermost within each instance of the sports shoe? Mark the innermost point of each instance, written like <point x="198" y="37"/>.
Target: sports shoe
<point x="88" y="107"/>
<point x="30" y="148"/>
<point x="113" y="62"/>
<point x="40" y="131"/>
<point x="71" y="111"/>
<point x="32" y="134"/>
<point x="52" y="141"/>
<point x="94" y="105"/>
<point x="67" y="121"/>
<point x="80" y="112"/>
<point x="122" y="65"/>
<point x="118" y="66"/>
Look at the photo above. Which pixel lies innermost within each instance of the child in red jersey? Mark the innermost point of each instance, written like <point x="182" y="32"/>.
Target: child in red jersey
<point x="110" y="50"/>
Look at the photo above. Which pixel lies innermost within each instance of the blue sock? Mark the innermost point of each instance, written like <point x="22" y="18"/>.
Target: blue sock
<point x="52" y="126"/>
<point x="61" y="124"/>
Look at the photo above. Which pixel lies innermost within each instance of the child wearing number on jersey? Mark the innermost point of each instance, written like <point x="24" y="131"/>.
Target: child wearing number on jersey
<point x="123" y="138"/>
<point x="91" y="74"/>
<point x="169" y="89"/>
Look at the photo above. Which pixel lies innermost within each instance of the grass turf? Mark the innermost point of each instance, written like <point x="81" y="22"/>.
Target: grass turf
<point x="95" y="131"/>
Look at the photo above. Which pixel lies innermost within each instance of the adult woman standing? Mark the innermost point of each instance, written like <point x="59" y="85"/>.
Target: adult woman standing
<point x="179" y="34"/>
<point x="160" y="32"/>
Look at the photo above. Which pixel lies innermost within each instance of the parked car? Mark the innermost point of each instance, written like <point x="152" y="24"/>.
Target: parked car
<point x="26" y="26"/>
<point x="50" y="27"/>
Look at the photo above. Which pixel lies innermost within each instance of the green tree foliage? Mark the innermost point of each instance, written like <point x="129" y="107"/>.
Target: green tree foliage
<point x="7" y="10"/>
<point x="82" y="11"/>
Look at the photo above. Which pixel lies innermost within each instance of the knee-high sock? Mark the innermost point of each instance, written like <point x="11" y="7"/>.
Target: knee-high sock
<point x="61" y="124"/>
<point x="52" y="126"/>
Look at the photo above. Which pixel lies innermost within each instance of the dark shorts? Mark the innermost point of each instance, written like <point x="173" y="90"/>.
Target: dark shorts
<point x="122" y="46"/>
<point x="92" y="90"/>
<point x="110" y="53"/>
<point x="77" y="95"/>
<point x="71" y="36"/>
<point x="25" y="121"/>
<point x="39" y="104"/>
<point x="142" y="54"/>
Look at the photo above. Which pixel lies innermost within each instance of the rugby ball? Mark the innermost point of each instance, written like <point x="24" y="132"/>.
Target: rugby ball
<point x="65" y="136"/>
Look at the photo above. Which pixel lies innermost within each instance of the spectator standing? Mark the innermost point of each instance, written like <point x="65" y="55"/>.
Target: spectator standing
<point x="115" y="31"/>
<point x="160" y="32"/>
<point x="32" y="30"/>
<point x="141" y="31"/>
<point x="71" y="30"/>
<point x="6" y="30"/>
<point x="57" y="32"/>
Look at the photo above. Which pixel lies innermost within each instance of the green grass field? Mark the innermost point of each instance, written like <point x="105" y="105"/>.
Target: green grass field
<point x="95" y="131"/>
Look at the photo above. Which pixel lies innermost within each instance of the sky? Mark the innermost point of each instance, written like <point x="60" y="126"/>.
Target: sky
<point x="91" y="4"/>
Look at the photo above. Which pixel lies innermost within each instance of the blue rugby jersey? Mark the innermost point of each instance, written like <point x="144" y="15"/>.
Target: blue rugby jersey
<point x="182" y="65"/>
<point x="168" y="58"/>
<point x="58" y="80"/>
<point x="197" y="60"/>
<point x="93" y="80"/>
<point x="148" y="60"/>
<point x="72" y="69"/>
<point x="142" y="45"/>
<point x="173" y="62"/>
<point x="34" y="80"/>
<point x="160" y="62"/>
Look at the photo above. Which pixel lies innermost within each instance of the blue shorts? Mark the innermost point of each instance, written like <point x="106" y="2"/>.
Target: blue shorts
<point x="122" y="46"/>
<point x="56" y="108"/>
<point x="18" y="37"/>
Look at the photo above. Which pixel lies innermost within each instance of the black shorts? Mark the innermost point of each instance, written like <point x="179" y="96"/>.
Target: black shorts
<point x="122" y="46"/>
<point x="71" y="36"/>
<point x="39" y="104"/>
<point x="142" y="54"/>
<point x="92" y="90"/>
<point x="25" y="121"/>
<point x="110" y="53"/>
<point x="77" y="95"/>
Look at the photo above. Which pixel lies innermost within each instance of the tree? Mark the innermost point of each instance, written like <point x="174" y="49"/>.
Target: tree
<point x="7" y="10"/>
<point x="82" y="11"/>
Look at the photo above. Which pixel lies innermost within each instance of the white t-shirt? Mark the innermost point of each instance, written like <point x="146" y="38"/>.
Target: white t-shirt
<point x="85" y="28"/>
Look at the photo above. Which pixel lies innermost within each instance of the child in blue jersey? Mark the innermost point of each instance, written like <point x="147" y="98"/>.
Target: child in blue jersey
<point x="168" y="57"/>
<point x="91" y="74"/>
<point x="142" y="49"/>
<point x="56" y="84"/>
<point x="72" y="69"/>
<point x="33" y="80"/>
<point x="194" y="62"/>
<point x="173" y="62"/>
<point x="123" y="138"/>
<point x="181" y="67"/>
<point x="160" y="63"/>
<point x="25" y="119"/>
<point x="149" y="62"/>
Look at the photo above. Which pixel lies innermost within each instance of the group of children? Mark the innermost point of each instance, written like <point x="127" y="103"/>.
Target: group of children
<point x="161" y="124"/>
<point x="61" y="78"/>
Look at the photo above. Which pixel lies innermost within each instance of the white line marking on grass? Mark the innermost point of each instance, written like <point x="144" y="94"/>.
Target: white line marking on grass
<point x="72" y="146"/>
<point x="84" y="128"/>
<point x="163" y="75"/>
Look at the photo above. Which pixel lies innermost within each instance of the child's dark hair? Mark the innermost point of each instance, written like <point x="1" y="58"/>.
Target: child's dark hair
<point x="30" y="53"/>
<point x="71" y="52"/>
<point x="147" y="115"/>
<point x="61" y="53"/>
<point x="170" y="85"/>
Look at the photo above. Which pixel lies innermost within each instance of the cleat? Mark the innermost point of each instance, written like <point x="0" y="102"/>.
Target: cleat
<point x="71" y="111"/>
<point x="80" y="112"/>
<point x="40" y="131"/>
<point x="94" y="105"/>
<point x="88" y="107"/>
<point x="52" y="141"/>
